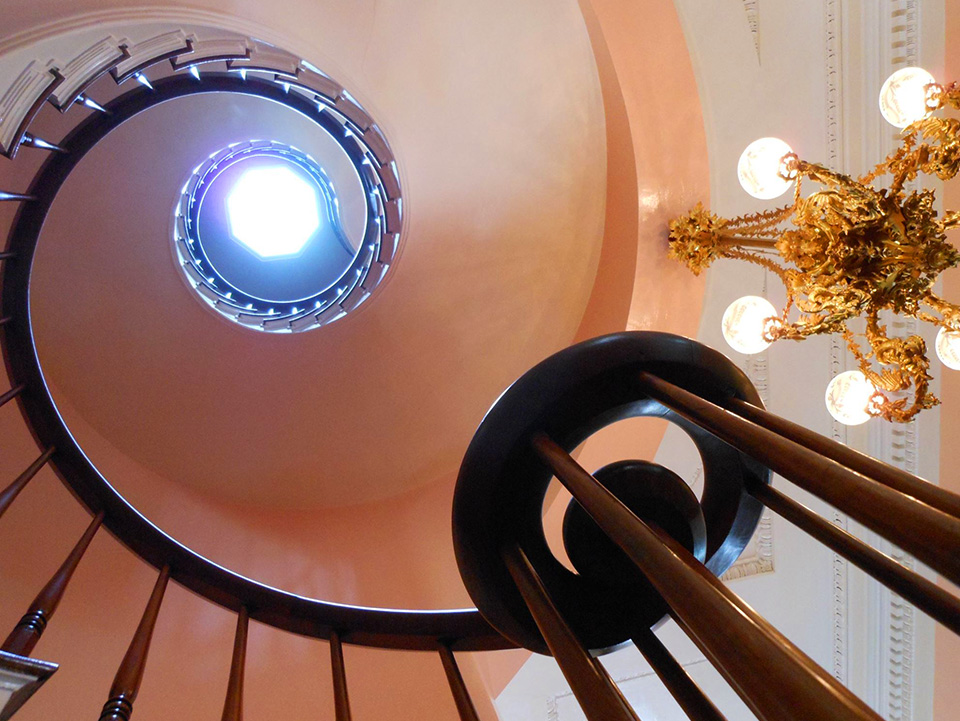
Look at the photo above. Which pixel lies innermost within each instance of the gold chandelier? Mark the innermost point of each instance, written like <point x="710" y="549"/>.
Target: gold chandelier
<point x="849" y="251"/>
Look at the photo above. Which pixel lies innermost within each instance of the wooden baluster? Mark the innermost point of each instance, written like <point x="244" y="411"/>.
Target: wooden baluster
<point x="888" y="475"/>
<point x="461" y="696"/>
<point x="773" y="677"/>
<point x="13" y="490"/>
<point x="341" y="698"/>
<point x="917" y="528"/>
<point x="598" y="695"/>
<point x="126" y="684"/>
<point x="923" y="593"/>
<point x="13" y="392"/>
<point x="683" y="688"/>
<point x="233" y="706"/>
<point x="27" y="632"/>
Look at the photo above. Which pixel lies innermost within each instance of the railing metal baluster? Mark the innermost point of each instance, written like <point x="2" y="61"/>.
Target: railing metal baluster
<point x="233" y="705"/>
<point x="773" y="677"/>
<point x="678" y="682"/>
<point x="9" y="493"/>
<point x="126" y="684"/>
<point x="461" y="696"/>
<point x="598" y="695"/>
<point x="919" y="529"/>
<point x="27" y="632"/>
<point x="888" y="475"/>
<point x="341" y="698"/>
<point x="921" y="592"/>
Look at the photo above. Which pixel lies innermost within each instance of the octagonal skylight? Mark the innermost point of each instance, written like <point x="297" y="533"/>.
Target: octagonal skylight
<point x="273" y="211"/>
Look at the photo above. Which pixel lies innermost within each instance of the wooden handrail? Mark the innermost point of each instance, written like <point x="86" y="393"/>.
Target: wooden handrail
<point x="738" y="641"/>
<point x="27" y="632"/>
<point x="916" y="527"/>
<point x="10" y="493"/>
<point x="126" y="684"/>
<point x="461" y="697"/>
<point x="233" y="705"/>
<point x="598" y="695"/>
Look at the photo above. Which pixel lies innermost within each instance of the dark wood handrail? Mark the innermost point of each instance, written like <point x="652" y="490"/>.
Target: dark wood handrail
<point x="732" y="635"/>
<point x="27" y="632"/>
<point x="916" y="527"/>
<point x="126" y="684"/>
<point x="598" y="695"/>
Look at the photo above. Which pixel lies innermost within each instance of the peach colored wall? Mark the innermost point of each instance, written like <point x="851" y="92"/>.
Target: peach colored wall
<point x="946" y="695"/>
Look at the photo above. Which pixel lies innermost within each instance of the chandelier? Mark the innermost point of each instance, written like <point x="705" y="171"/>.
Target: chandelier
<point x="849" y="251"/>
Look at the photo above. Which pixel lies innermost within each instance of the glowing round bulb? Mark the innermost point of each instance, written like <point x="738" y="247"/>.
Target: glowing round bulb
<point x="903" y="97"/>
<point x="848" y="398"/>
<point x="948" y="348"/>
<point x="760" y="168"/>
<point x="745" y="322"/>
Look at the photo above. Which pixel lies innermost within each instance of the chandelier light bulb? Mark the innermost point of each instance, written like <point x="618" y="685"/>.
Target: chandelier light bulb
<point x="903" y="97"/>
<point x="745" y="323"/>
<point x="849" y="397"/>
<point x="948" y="348"/>
<point x="760" y="168"/>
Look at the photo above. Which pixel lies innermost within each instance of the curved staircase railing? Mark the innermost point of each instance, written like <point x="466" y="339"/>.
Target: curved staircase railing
<point x="643" y="546"/>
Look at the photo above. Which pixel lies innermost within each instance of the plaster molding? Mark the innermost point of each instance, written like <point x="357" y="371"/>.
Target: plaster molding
<point x="752" y="9"/>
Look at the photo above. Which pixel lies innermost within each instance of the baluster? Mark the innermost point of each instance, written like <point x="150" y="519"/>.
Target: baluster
<point x="773" y="677"/>
<point x="233" y="706"/>
<point x="916" y="527"/>
<point x="27" y="632"/>
<point x="888" y="475"/>
<point x="683" y="688"/>
<point x="126" y="684"/>
<point x="599" y="697"/>
<point x="461" y="696"/>
<point x="13" y="490"/>
<point x="341" y="698"/>
<point x="923" y="593"/>
<point x="16" y="390"/>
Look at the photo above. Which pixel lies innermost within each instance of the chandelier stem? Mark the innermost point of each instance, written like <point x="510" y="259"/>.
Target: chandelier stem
<point x="740" y="241"/>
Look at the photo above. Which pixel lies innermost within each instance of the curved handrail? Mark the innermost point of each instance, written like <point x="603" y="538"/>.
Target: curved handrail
<point x="459" y="629"/>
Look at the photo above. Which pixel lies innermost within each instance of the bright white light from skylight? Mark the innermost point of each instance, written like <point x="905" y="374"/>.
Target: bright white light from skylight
<point x="273" y="211"/>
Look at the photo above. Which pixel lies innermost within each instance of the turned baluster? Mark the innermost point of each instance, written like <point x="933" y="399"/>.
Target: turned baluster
<point x="233" y="706"/>
<point x="461" y="696"/>
<point x="27" y="632"/>
<point x="341" y="699"/>
<point x="13" y="490"/>
<point x="126" y="684"/>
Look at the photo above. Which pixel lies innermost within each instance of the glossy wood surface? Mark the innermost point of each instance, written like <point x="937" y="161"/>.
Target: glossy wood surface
<point x="341" y="696"/>
<point x="678" y="682"/>
<point x="458" y="688"/>
<point x="930" y="598"/>
<point x="27" y="632"/>
<point x="9" y="493"/>
<point x="598" y="695"/>
<point x="772" y="676"/>
<point x="888" y="475"/>
<point x="920" y="529"/>
<point x="233" y="705"/>
<point x="126" y="684"/>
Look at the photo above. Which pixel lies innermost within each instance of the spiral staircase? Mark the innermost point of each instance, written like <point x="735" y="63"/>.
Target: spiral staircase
<point x="638" y="545"/>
